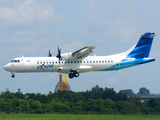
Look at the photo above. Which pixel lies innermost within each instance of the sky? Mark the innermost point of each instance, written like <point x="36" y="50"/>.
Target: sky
<point x="32" y="27"/>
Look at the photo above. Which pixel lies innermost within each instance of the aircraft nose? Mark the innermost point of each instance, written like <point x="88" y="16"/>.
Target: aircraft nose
<point x="6" y="67"/>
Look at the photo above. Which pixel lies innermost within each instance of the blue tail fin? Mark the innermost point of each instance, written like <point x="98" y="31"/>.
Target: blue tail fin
<point x="142" y="49"/>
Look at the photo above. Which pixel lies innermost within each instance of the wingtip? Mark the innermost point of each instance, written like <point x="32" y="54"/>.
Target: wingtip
<point x="91" y="46"/>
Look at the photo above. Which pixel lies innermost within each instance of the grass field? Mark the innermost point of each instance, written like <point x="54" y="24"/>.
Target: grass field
<point x="77" y="117"/>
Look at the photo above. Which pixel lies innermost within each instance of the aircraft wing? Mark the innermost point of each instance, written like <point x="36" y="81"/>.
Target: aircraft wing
<point x="83" y="52"/>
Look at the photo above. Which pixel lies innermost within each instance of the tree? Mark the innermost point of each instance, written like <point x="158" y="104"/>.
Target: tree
<point x="7" y="94"/>
<point x="144" y="91"/>
<point x="129" y="92"/>
<point x="19" y="94"/>
<point x="126" y="107"/>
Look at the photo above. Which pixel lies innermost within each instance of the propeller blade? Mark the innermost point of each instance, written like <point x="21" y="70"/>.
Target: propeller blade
<point x="59" y="54"/>
<point x="50" y="54"/>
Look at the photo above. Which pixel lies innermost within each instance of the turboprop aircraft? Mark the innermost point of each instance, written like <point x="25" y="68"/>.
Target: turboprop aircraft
<point x="79" y="61"/>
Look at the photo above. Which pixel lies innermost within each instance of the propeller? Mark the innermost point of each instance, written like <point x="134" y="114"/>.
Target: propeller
<point x="50" y="54"/>
<point x="59" y="54"/>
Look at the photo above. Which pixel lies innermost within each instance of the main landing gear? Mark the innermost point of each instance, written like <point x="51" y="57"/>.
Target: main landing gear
<point x="73" y="73"/>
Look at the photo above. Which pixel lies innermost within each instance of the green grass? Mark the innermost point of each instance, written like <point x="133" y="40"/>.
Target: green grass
<point x="77" y="117"/>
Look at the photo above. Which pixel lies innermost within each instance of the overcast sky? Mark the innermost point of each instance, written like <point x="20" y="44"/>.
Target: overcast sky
<point x="32" y="27"/>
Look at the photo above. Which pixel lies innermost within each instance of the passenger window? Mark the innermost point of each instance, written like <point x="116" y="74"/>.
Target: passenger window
<point x="77" y="61"/>
<point x="53" y="62"/>
<point x="102" y="61"/>
<point x="68" y="61"/>
<point x="108" y="61"/>
<point x="62" y="62"/>
<point x="46" y="62"/>
<point x="15" y="60"/>
<point x="111" y="61"/>
<point x="80" y="61"/>
<point x="99" y="61"/>
<point x="83" y="61"/>
<point x="41" y="62"/>
<point x="37" y="62"/>
<point x="71" y="61"/>
<point x="87" y="62"/>
<point x="93" y="61"/>
<point x="96" y="61"/>
<point x="74" y="61"/>
<point x="65" y="62"/>
<point x="49" y="62"/>
<point x="59" y="62"/>
<point x="105" y="61"/>
<point x="90" y="61"/>
<point x="56" y="62"/>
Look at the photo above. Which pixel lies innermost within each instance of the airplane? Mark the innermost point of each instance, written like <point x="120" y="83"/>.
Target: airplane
<point x="79" y="61"/>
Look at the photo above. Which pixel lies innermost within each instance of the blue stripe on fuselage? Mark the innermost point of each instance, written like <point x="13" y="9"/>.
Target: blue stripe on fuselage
<point x="128" y="63"/>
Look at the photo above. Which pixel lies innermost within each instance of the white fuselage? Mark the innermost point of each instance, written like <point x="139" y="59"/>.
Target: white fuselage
<point x="53" y="64"/>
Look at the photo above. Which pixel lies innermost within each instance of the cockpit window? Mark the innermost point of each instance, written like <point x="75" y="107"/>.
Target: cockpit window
<point x="15" y="61"/>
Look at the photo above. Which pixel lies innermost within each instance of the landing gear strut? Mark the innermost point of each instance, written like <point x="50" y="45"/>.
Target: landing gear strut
<point x="73" y="73"/>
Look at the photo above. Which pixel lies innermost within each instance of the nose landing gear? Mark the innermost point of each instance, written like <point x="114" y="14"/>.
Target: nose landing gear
<point x="12" y="75"/>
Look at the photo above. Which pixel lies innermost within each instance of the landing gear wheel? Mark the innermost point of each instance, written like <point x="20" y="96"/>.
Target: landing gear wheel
<point x="71" y="75"/>
<point x="13" y="76"/>
<point x="76" y="74"/>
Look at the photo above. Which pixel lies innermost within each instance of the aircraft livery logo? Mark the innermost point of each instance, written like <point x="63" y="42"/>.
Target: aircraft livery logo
<point x="45" y="66"/>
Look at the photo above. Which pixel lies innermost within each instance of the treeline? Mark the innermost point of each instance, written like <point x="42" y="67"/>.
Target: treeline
<point x="94" y="101"/>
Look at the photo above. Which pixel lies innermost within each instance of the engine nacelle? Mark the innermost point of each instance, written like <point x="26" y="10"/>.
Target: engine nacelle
<point x="66" y="56"/>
